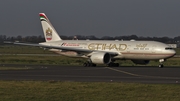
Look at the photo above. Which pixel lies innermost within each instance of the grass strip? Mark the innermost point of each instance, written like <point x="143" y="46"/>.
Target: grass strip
<point x="83" y="91"/>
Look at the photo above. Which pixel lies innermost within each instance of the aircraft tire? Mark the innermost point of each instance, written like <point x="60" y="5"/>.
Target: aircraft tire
<point x="113" y="65"/>
<point x="161" y="65"/>
<point x="94" y="65"/>
<point x="117" y="64"/>
<point x="85" y="64"/>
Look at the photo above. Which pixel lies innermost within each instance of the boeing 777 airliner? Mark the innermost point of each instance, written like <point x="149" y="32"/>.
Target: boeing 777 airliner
<point x="103" y="51"/>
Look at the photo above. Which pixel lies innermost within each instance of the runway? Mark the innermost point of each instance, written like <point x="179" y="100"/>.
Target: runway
<point x="93" y="74"/>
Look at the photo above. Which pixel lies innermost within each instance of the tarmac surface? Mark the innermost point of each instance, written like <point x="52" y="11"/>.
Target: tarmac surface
<point x="142" y="74"/>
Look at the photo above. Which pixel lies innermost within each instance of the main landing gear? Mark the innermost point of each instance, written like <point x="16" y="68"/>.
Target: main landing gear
<point x="111" y="64"/>
<point x="89" y="64"/>
<point x="161" y="63"/>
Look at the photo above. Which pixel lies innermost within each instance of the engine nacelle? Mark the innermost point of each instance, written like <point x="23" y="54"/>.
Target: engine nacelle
<point x="100" y="58"/>
<point x="142" y="62"/>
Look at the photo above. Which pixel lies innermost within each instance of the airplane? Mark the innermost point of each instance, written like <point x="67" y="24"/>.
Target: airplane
<point x="103" y="51"/>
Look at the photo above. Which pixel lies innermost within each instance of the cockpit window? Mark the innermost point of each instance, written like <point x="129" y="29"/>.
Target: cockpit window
<point x="168" y="48"/>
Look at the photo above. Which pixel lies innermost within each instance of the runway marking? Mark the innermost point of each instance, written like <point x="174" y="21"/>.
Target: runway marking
<point x="122" y="71"/>
<point x="137" y="75"/>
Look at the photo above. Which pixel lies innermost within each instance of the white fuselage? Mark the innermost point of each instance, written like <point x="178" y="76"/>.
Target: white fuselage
<point x="145" y="50"/>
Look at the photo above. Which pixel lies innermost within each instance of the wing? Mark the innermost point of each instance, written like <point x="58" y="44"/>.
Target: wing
<point x="55" y="47"/>
<point x="79" y="50"/>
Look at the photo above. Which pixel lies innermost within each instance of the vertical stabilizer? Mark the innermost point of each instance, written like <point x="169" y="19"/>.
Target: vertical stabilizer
<point x="50" y="33"/>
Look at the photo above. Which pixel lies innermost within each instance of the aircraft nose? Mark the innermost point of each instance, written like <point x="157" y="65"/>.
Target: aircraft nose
<point x="173" y="52"/>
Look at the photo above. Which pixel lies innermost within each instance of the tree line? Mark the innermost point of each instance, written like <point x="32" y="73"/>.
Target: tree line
<point x="38" y="39"/>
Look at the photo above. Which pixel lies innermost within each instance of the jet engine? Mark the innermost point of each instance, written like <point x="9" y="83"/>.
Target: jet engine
<point x="100" y="58"/>
<point x="142" y="62"/>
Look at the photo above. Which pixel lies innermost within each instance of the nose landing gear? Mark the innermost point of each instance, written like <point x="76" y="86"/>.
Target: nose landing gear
<point x="161" y="63"/>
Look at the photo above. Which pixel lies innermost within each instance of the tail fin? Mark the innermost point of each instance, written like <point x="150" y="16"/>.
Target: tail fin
<point x="50" y="33"/>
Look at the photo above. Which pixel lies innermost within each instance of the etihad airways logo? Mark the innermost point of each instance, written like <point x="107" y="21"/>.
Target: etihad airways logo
<point x="48" y="34"/>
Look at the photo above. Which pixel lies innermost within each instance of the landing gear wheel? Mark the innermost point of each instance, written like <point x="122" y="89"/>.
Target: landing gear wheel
<point x="94" y="65"/>
<point x="85" y="64"/>
<point x="117" y="64"/>
<point x="161" y="65"/>
<point x="113" y="65"/>
<point x="88" y="64"/>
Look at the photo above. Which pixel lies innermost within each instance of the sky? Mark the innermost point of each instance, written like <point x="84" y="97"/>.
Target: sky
<point x="153" y="18"/>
